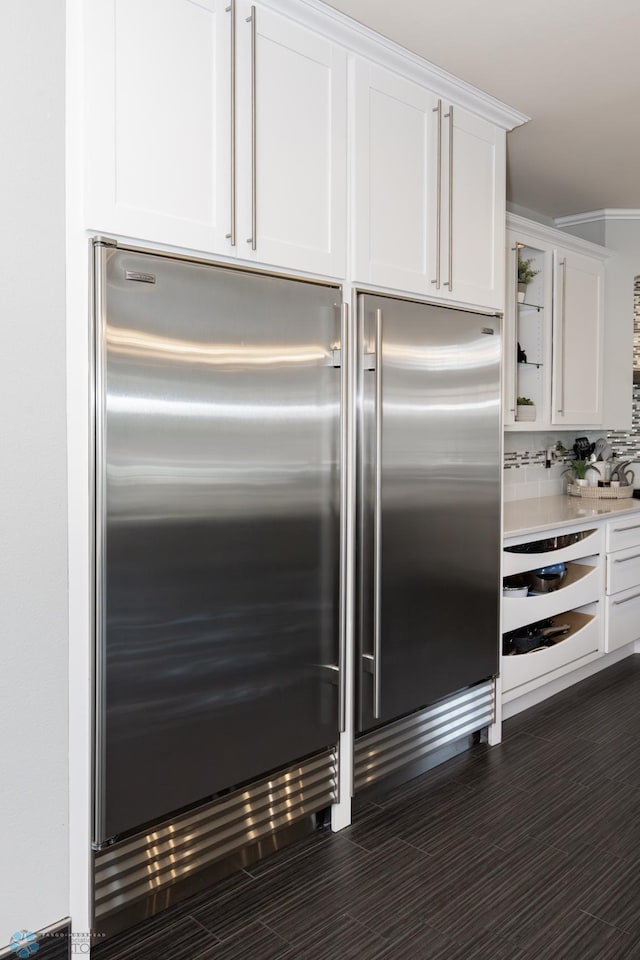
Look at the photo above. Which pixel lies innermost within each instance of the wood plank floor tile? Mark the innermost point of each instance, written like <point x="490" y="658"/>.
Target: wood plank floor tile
<point x="184" y="940"/>
<point x="367" y="890"/>
<point x="300" y="878"/>
<point x="342" y="939"/>
<point x="254" y="941"/>
<point x="579" y="936"/>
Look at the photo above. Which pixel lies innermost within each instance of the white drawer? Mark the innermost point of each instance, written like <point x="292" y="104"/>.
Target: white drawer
<point x="623" y="569"/>
<point x="623" y="533"/>
<point x="582" y="585"/>
<point x="519" y="562"/>
<point x="581" y="642"/>
<point x="622" y="624"/>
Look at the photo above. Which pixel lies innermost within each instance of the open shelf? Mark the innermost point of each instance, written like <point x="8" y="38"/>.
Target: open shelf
<point x="582" y="582"/>
<point x="534" y="307"/>
<point x="534" y="668"/>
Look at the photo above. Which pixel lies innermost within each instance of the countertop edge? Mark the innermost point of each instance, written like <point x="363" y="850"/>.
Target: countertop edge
<point x="523" y="517"/>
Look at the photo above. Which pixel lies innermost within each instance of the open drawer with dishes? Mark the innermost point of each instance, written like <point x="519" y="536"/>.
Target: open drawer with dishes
<point x="534" y="651"/>
<point x="552" y="614"/>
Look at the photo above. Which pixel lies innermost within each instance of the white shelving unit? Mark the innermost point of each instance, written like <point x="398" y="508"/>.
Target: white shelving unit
<point x="578" y="602"/>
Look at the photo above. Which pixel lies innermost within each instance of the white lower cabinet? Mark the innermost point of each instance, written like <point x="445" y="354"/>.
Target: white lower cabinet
<point x="576" y="605"/>
<point x="622" y="584"/>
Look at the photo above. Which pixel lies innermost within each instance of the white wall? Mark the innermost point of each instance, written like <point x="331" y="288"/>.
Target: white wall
<point x="33" y="537"/>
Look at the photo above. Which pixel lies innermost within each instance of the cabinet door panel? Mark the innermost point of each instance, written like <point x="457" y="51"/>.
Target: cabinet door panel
<point x="623" y="619"/>
<point x="158" y="92"/>
<point x="474" y="262"/>
<point x="395" y="215"/>
<point x="301" y="146"/>
<point x="578" y="340"/>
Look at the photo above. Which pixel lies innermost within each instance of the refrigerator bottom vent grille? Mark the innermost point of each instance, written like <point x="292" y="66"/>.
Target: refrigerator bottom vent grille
<point x="403" y="742"/>
<point x="148" y="865"/>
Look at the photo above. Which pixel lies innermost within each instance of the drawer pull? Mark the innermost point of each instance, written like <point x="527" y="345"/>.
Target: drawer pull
<point x="636" y="556"/>
<point x="636" y="526"/>
<point x="634" y="596"/>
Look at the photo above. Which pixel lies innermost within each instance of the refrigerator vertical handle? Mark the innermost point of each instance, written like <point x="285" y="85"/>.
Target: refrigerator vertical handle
<point x="438" y="110"/>
<point x="252" y="238"/>
<point x="231" y="9"/>
<point x="344" y="512"/>
<point x="377" y="525"/>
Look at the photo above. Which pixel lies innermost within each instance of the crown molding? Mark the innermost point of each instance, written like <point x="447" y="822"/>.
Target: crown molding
<point x="362" y="41"/>
<point x="612" y="213"/>
<point x="531" y="229"/>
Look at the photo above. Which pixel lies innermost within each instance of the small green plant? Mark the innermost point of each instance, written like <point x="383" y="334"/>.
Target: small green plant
<point x="580" y="468"/>
<point x="526" y="273"/>
<point x="525" y="402"/>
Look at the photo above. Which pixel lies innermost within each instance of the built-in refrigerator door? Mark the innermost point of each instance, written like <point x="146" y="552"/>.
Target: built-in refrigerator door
<point x="428" y="504"/>
<point x="217" y="589"/>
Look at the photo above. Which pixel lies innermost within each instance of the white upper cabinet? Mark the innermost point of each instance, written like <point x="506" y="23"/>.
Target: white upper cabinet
<point x="429" y="181"/>
<point x="472" y="235"/>
<point x="157" y="121"/>
<point x="292" y="144"/>
<point x="554" y="329"/>
<point x="220" y="126"/>
<point x="394" y="181"/>
<point x="217" y="126"/>
<point x="578" y="339"/>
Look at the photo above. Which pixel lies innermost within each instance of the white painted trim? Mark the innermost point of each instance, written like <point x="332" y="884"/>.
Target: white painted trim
<point x="78" y="460"/>
<point x="365" y="42"/>
<point x="594" y="216"/>
<point x="542" y="693"/>
<point x="556" y="238"/>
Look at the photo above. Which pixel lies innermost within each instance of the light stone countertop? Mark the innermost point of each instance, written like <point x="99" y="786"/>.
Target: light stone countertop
<point x="541" y="513"/>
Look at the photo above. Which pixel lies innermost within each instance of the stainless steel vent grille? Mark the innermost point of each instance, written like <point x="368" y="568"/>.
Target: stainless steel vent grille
<point x="143" y="865"/>
<point x="406" y="741"/>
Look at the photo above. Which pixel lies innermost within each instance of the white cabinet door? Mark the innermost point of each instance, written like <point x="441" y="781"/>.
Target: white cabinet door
<point x="292" y="178"/>
<point x="157" y="120"/>
<point x="578" y="340"/>
<point x="394" y="176"/>
<point x="473" y="203"/>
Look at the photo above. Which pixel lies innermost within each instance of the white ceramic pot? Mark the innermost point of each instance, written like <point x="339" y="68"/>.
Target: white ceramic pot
<point x="526" y="412"/>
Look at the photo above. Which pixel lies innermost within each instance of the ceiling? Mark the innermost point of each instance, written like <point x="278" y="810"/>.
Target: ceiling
<point x="573" y="66"/>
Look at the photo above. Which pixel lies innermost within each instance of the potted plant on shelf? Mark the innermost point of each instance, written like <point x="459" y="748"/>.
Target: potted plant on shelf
<point x="526" y="273"/>
<point x="525" y="409"/>
<point x="579" y="469"/>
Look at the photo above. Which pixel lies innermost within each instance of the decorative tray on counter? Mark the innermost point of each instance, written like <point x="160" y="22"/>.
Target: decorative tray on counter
<point x="599" y="493"/>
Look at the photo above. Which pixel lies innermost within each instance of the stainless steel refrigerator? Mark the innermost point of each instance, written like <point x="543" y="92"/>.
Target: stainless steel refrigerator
<point x="217" y="530"/>
<point x="428" y="515"/>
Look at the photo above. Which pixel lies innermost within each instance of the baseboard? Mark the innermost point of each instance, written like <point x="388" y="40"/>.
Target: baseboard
<point x="50" y="943"/>
<point x="542" y="693"/>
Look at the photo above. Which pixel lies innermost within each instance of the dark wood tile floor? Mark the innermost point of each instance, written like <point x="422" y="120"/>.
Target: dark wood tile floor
<point x="526" y="851"/>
